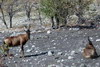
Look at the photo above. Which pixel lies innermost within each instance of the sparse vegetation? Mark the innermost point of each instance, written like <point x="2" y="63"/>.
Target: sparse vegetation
<point x="60" y="10"/>
<point x="61" y="46"/>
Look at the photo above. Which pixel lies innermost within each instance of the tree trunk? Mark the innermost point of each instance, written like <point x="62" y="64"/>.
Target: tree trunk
<point x="79" y="13"/>
<point x="65" y="21"/>
<point x="40" y="16"/>
<point x="10" y="21"/>
<point x="28" y="14"/>
<point x="52" y="21"/>
<point x="3" y="19"/>
<point x="57" y="21"/>
<point x="81" y="20"/>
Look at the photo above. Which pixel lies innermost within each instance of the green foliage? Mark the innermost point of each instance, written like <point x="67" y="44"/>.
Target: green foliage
<point x="48" y="7"/>
<point x="60" y="7"/>
<point x="65" y="7"/>
<point x="83" y="5"/>
<point x="1" y="49"/>
<point x="4" y="48"/>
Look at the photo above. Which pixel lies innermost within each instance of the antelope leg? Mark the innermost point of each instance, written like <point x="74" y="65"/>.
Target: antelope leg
<point x="22" y="50"/>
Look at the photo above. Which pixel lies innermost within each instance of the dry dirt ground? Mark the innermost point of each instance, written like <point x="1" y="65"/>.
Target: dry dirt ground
<point x="58" y="49"/>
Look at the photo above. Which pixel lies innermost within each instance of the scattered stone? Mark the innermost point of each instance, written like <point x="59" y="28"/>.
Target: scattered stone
<point x="62" y="60"/>
<point x="59" y="53"/>
<point x="16" y="54"/>
<point x="65" y="39"/>
<point x="97" y="64"/>
<point x="70" y="57"/>
<point x="72" y="52"/>
<point x="73" y="66"/>
<point x="66" y="66"/>
<point x="80" y="49"/>
<point x="52" y="40"/>
<point x="97" y="40"/>
<point x="50" y="53"/>
<point x="74" y="29"/>
<point x="49" y="32"/>
<point x="83" y="65"/>
<point x="54" y="44"/>
<point x="53" y="65"/>
<point x="15" y="61"/>
<point x="91" y="38"/>
<point x="97" y="36"/>
<point x="29" y="50"/>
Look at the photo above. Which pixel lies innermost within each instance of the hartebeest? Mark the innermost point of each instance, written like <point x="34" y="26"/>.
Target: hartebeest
<point x="18" y="40"/>
<point x="89" y="51"/>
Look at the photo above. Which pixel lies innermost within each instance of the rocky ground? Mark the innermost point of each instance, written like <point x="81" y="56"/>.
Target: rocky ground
<point x="59" y="48"/>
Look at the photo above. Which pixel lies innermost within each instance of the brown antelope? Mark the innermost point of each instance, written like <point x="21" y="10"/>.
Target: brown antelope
<point x="89" y="51"/>
<point x="19" y="40"/>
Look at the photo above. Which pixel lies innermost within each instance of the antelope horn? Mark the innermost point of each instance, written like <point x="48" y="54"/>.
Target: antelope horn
<point x="28" y="26"/>
<point x="89" y="41"/>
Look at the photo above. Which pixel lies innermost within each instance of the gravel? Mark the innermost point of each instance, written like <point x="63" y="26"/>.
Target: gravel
<point x="61" y="48"/>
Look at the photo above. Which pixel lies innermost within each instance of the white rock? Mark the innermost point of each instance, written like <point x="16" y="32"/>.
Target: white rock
<point x="54" y="44"/>
<point x="74" y="28"/>
<point x="66" y="66"/>
<point x="16" y="54"/>
<point x="73" y="66"/>
<point x="97" y="36"/>
<point x="82" y="59"/>
<point x="52" y="40"/>
<point x="36" y="51"/>
<point x="33" y="45"/>
<point x="44" y="59"/>
<point x="50" y="53"/>
<point x="72" y="52"/>
<point x="91" y="38"/>
<point x="65" y="39"/>
<point x="33" y="31"/>
<point x="59" y="61"/>
<point x="80" y="49"/>
<point x="70" y="57"/>
<point x="29" y="50"/>
<point x="53" y="65"/>
<point x="9" y="61"/>
<point x="49" y="31"/>
<point x="59" y="53"/>
<point x="82" y="65"/>
<point x="54" y="47"/>
<point x="97" y="40"/>
<point x="26" y="46"/>
<point x="62" y="60"/>
<point x="66" y="53"/>
<point x="97" y="64"/>
<point x="2" y="31"/>
<point x="39" y="31"/>
<point x="70" y="28"/>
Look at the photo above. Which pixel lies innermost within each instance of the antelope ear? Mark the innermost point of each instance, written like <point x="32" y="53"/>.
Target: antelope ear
<point x="25" y="27"/>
